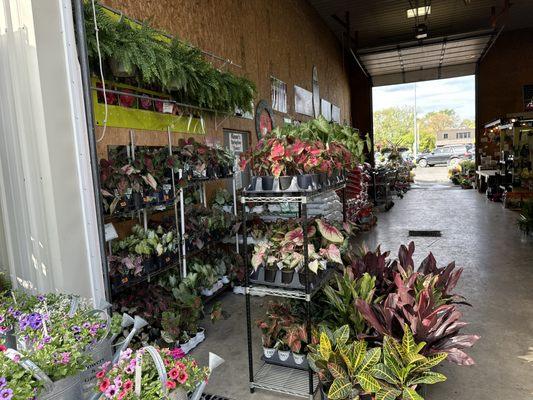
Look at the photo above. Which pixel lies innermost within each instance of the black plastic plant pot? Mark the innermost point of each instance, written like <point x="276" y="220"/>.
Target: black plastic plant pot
<point x="210" y="171"/>
<point x="323" y="179"/>
<point x="315" y="179"/>
<point x="149" y="265"/>
<point x="304" y="181"/>
<point x="137" y="200"/>
<point x="286" y="276"/>
<point x="303" y="279"/>
<point x="285" y="182"/>
<point x="270" y="274"/>
<point x="267" y="182"/>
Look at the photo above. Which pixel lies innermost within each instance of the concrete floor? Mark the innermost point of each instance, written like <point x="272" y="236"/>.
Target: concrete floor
<point x="480" y="236"/>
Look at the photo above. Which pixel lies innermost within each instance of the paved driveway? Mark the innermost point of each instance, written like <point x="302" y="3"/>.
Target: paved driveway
<point x="431" y="174"/>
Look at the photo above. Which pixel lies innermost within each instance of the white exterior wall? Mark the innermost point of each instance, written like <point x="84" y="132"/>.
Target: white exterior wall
<point x="46" y="195"/>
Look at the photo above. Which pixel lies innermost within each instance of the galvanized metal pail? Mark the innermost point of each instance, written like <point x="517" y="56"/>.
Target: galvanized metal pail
<point x="65" y="389"/>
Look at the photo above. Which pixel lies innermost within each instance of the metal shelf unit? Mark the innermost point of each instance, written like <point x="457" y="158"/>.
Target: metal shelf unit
<point x="270" y="377"/>
<point x="199" y="184"/>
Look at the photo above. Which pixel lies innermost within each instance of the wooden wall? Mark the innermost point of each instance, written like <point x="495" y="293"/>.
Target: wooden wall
<point x="282" y="38"/>
<point x="502" y="74"/>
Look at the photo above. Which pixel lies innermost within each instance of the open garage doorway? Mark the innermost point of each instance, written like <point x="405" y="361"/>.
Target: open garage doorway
<point x="429" y="125"/>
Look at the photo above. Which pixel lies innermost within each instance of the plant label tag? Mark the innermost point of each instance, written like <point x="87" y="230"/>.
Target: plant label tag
<point x="168" y="107"/>
<point x="110" y="232"/>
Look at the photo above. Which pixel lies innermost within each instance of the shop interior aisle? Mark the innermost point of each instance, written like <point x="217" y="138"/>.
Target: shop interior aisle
<point x="480" y="236"/>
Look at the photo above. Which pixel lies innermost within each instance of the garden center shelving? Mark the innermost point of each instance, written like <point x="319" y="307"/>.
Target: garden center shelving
<point x="271" y="377"/>
<point x="144" y="212"/>
<point x="200" y="184"/>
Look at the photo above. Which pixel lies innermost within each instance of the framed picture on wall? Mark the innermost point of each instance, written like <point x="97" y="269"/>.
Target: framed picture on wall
<point x="303" y="101"/>
<point x="335" y="113"/>
<point x="325" y="109"/>
<point x="278" y="90"/>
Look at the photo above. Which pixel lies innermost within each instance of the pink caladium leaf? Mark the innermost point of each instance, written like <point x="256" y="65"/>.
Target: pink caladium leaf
<point x="298" y="147"/>
<point x="128" y="169"/>
<point x="277" y="152"/>
<point x="277" y="169"/>
<point x="259" y="255"/>
<point x="296" y="236"/>
<point x="332" y="253"/>
<point x="329" y="232"/>
<point x="150" y="180"/>
<point x="311" y="231"/>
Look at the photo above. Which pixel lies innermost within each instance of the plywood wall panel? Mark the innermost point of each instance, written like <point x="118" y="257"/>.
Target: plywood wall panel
<point x="284" y="38"/>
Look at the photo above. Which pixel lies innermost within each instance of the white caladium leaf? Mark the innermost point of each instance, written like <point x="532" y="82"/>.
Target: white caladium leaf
<point x="329" y="232"/>
<point x="159" y="249"/>
<point x="314" y="266"/>
<point x="332" y="253"/>
<point x="150" y="180"/>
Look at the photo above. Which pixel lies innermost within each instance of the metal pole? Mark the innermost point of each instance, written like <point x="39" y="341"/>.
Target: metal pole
<point x="182" y="217"/>
<point x="174" y="194"/>
<point x="93" y="153"/>
<point x="247" y="297"/>
<point x="307" y="285"/>
<point x="415" y="150"/>
<point x="234" y="187"/>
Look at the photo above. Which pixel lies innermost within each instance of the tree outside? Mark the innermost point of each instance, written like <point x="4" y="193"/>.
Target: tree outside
<point x="396" y="125"/>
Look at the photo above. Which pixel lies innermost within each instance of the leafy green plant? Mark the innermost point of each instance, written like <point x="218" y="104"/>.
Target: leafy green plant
<point x="346" y="369"/>
<point x="174" y="66"/>
<point x="337" y="304"/>
<point x="403" y="368"/>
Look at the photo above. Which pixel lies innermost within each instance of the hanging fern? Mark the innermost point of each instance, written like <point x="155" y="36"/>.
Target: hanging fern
<point x="177" y="67"/>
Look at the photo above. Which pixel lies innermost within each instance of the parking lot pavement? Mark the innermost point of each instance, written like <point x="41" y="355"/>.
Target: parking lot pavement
<point x="431" y="174"/>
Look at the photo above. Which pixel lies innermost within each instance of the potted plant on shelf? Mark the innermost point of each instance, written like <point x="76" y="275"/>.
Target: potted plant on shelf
<point x="296" y="338"/>
<point x="269" y="333"/>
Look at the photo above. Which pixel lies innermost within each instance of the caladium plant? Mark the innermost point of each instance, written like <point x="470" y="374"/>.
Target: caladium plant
<point x="329" y="231"/>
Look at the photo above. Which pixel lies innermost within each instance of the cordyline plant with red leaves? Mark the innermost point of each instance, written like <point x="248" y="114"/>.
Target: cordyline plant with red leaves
<point x="421" y="299"/>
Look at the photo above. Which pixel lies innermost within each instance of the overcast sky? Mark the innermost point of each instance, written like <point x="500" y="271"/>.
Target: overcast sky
<point x="454" y="93"/>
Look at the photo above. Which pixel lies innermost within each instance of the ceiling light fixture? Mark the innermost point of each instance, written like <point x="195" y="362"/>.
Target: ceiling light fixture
<point x="418" y="12"/>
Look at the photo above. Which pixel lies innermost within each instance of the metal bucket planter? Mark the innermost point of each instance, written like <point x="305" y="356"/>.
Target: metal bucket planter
<point x="65" y="389"/>
<point x="101" y="353"/>
<point x="9" y="339"/>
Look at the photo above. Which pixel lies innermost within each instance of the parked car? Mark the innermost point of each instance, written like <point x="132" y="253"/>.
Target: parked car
<point x="448" y="155"/>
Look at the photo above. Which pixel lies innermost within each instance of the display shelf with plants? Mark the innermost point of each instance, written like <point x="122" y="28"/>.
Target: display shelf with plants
<point x="289" y="248"/>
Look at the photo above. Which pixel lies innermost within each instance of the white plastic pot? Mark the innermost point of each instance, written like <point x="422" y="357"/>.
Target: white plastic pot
<point x="269" y="352"/>
<point x="225" y="280"/>
<point x="298" y="358"/>
<point x="283" y="355"/>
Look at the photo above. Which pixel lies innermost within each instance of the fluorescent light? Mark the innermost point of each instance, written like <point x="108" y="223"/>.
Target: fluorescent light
<point x="418" y="12"/>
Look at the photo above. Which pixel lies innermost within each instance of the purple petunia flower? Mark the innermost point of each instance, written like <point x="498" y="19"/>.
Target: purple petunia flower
<point x="6" y="394"/>
<point x="2" y="319"/>
<point x="47" y="339"/>
<point x="86" y="325"/>
<point x="35" y="320"/>
<point x="3" y="382"/>
<point x="76" y="329"/>
<point x="40" y="298"/>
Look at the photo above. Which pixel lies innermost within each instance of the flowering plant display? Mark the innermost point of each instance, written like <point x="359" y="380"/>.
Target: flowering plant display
<point x="16" y="383"/>
<point x="117" y="381"/>
<point x="53" y="334"/>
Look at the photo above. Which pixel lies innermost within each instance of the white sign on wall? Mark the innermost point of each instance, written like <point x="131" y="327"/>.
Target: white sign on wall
<point x="303" y="101"/>
<point x="335" y="113"/>
<point x="236" y="144"/>
<point x="325" y="109"/>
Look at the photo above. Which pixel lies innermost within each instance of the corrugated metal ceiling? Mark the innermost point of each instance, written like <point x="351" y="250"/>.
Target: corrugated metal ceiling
<point x="458" y="33"/>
